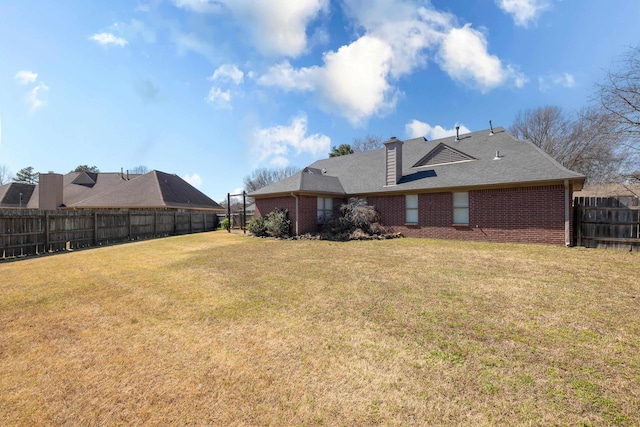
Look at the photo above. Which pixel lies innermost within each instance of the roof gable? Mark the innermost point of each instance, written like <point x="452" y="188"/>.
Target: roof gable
<point x="154" y="189"/>
<point x="476" y="159"/>
<point x="442" y="154"/>
<point x="88" y="179"/>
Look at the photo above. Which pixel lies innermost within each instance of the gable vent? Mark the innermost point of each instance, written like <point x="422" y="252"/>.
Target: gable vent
<point x="442" y="155"/>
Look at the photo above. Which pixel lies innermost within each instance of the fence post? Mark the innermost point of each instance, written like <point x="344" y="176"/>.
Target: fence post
<point x="95" y="228"/>
<point x="229" y="212"/>
<point x="47" y="240"/>
<point x="578" y="225"/>
<point x="129" y="221"/>
<point x="175" y="223"/>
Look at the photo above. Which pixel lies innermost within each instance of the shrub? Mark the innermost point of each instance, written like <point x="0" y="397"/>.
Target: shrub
<point x="357" y="221"/>
<point x="258" y="227"/>
<point x="224" y="224"/>
<point x="276" y="224"/>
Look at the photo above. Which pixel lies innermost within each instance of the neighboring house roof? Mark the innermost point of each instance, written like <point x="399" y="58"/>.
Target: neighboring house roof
<point x="154" y="189"/>
<point x="609" y="190"/>
<point x="431" y="165"/>
<point x="15" y="194"/>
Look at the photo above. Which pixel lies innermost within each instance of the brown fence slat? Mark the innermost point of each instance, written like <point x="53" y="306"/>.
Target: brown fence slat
<point x="30" y="232"/>
<point x="608" y="222"/>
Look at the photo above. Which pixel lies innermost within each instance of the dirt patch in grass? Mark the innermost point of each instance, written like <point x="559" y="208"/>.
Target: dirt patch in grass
<point x="219" y="329"/>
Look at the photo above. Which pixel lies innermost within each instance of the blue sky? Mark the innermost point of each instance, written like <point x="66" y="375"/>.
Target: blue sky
<point x="212" y="89"/>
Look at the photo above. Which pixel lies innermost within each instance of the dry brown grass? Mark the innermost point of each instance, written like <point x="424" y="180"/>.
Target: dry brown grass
<point x="219" y="329"/>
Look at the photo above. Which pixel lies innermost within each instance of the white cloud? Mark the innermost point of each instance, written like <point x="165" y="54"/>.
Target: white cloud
<point x="200" y="6"/>
<point x="106" y="39"/>
<point x="132" y="30"/>
<point x="288" y="78"/>
<point x="566" y="80"/>
<point x="36" y="96"/>
<point x="416" y="129"/>
<point x="408" y="29"/>
<point x="274" y="143"/>
<point x="279" y="162"/>
<point x="26" y="77"/>
<point x="359" y="79"/>
<point x="220" y="98"/>
<point x="523" y="11"/>
<point x="194" y="180"/>
<point x="192" y="43"/>
<point x="463" y="55"/>
<point x="278" y="26"/>
<point x="228" y="72"/>
<point x="352" y="81"/>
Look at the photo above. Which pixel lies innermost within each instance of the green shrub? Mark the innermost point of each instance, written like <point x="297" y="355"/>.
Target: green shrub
<point x="224" y="224"/>
<point x="258" y="227"/>
<point x="276" y="224"/>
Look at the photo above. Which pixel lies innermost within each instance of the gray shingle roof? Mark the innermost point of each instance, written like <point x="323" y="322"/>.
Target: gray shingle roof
<point x="106" y="190"/>
<point x="154" y="189"/>
<point x="11" y="193"/>
<point x="520" y="162"/>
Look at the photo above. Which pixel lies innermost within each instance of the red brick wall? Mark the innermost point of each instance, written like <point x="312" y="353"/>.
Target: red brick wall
<point x="307" y="209"/>
<point x="527" y="215"/>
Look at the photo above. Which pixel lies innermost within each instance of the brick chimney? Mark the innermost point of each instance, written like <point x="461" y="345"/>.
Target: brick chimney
<point x="49" y="191"/>
<point x="393" y="161"/>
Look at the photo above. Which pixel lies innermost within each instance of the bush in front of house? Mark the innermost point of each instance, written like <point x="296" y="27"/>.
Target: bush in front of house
<point x="257" y="227"/>
<point x="357" y="221"/>
<point x="276" y="224"/>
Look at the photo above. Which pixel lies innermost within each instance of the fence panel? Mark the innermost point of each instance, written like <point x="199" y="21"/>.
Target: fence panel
<point x="31" y="232"/>
<point x="608" y="222"/>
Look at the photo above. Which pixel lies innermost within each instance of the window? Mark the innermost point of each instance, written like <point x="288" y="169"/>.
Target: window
<point x="325" y="209"/>
<point x="461" y="208"/>
<point x="411" y="205"/>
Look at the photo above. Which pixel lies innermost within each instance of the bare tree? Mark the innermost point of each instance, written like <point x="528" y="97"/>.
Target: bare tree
<point x="4" y="174"/>
<point x="586" y="142"/>
<point x="369" y="142"/>
<point x="139" y="170"/>
<point x="619" y="95"/>
<point x="262" y="177"/>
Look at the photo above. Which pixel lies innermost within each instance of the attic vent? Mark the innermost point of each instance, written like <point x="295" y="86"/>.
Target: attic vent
<point x="442" y="155"/>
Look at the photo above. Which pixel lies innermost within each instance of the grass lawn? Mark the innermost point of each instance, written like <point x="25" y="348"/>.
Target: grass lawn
<point x="223" y="329"/>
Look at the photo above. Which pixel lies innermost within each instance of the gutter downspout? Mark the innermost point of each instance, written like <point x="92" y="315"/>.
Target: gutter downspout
<point x="567" y="216"/>
<point x="296" y="197"/>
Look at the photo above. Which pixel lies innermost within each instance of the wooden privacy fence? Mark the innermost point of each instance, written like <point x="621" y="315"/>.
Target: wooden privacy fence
<point x="607" y="222"/>
<point x="31" y="232"/>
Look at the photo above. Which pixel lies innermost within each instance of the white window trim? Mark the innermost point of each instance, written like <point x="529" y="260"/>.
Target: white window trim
<point x="460" y="208"/>
<point x="324" y="210"/>
<point x="408" y="209"/>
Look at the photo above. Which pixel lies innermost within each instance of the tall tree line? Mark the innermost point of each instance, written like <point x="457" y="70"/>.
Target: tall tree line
<point x="601" y="140"/>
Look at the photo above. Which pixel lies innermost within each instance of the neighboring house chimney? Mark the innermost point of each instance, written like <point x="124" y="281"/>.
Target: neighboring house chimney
<point x="393" y="161"/>
<point x="50" y="191"/>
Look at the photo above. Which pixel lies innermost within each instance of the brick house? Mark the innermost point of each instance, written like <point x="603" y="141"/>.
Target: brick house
<point x="485" y="185"/>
